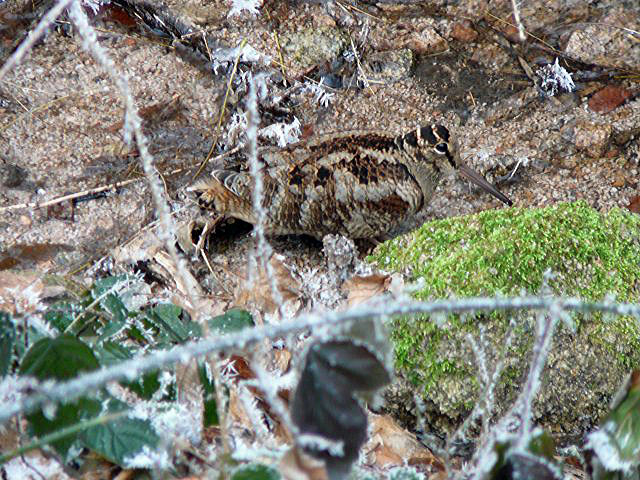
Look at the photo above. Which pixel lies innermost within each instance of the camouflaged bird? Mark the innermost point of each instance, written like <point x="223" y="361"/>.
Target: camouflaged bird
<point x="365" y="185"/>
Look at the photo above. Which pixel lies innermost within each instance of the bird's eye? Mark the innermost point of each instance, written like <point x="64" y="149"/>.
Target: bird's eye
<point x="442" y="148"/>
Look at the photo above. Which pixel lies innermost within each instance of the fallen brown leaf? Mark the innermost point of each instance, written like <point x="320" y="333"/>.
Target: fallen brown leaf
<point x="634" y="204"/>
<point x="609" y="98"/>
<point x="360" y="289"/>
<point x="260" y="295"/>
<point x="297" y="465"/>
<point x="390" y="444"/>
<point x="464" y="32"/>
<point x="20" y="292"/>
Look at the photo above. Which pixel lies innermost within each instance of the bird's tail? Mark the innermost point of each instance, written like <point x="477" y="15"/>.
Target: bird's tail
<point x="226" y="192"/>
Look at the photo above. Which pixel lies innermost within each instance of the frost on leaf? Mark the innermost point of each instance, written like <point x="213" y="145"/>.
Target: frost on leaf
<point x="324" y="405"/>
<point x="615" y="447"/>
<point x="320" y="93"/>
<point x="555" y="78"/>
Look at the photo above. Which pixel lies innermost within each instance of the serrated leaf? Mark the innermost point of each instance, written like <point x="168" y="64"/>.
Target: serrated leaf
<point x="167" y="318"/>
<point x="233" y="320"/>
<point x="7" y="341"/>
<point x="255" y="472"/>
<point x="103" y="285"/>
<point x="59" y="358"/>
<point x="120" y="439"/>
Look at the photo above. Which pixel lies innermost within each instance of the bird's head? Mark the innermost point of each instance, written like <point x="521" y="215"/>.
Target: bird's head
<point x="433" y="145"/>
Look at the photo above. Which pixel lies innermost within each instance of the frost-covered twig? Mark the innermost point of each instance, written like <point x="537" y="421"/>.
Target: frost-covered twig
<point x="263" y="248"/>
<point x="516" y="18"/>
<point x="133" y="125"/>
<point x="545" y="327"/>
<point x="131" y="369"/>
<point x="35" y="34"/>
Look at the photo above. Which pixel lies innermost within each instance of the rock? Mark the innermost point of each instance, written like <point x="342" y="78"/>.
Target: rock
<point x="389" y="66"/>
<point x="416" y="34"/>
<point x="592" y="138"/>
<point x="585" y="46"/>
<point x="312" y="46"/>
<point x="507" y="252"/>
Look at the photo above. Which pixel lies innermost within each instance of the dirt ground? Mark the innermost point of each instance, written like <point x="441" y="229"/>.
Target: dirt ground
<point x="61" y="115"/>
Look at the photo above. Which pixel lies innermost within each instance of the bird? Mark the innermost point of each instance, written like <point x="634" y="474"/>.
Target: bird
<point x="362" y="184"/>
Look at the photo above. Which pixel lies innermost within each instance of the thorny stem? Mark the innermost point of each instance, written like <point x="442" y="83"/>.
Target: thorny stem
<point x="133" y="122"/>
<point x="69" y="390"/>
<point x="546" y="325"/>
<point x="263" y="249"/>
<point x="35" y="34"/>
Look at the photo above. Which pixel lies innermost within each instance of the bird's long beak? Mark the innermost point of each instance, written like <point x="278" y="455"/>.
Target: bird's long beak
<point x="479" y="180"/>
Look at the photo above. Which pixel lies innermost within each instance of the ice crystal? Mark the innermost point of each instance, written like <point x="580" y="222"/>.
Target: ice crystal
<point x="555" y="78"/>
<point x="283" y="133"/>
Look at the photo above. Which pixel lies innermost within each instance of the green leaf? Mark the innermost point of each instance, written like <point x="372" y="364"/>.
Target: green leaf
<point x="616" y="445"/>
<point x="167" y="318"/>
<point x="7" y="341"/>
<point x="112" y="304"/>
<point x="59" y="358"/>
<point x="255" y="472"/>
<point x="209" y="393"/>
<point x="233" y="320"/>
<point x="120" y="440"/>
<point x="103" y="285"/>
<point x="111" y="353"/>
<point x="61" y="314"/>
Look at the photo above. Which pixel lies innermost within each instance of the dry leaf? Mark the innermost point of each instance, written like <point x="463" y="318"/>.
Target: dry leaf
<point x="189" y="391"/>
<point x="297" y="465"/>
<point x="464" y="32"/>
<point x="360" y="289"/>
<point x="609" y="98"/>
<point x="390" y="444"/>
<point x="237" y="411"/>
<point x="36" y="256"/>
<point x="260" y="294"/>
<point x="20" y="292"/>
<point x="282" y="359"/>
<point x="634" y="204"/>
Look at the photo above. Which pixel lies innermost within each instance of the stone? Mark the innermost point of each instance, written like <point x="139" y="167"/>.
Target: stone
<point x="507" y="252"/>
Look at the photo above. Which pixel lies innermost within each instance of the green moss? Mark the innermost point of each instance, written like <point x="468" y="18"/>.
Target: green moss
<point x="506" y="252"/>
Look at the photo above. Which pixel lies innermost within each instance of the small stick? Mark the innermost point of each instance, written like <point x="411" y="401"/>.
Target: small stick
<point x="71" y="196"/>
<point x="104" y="188"/>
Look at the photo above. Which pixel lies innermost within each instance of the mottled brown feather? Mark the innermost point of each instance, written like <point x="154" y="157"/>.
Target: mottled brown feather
<point x="364" y="185"/>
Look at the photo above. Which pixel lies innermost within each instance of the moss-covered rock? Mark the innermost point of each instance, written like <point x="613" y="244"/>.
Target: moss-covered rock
<point x="507" y="252"/>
